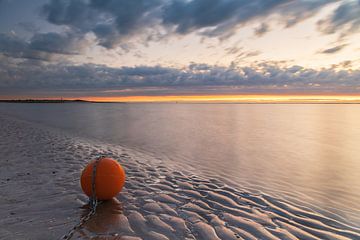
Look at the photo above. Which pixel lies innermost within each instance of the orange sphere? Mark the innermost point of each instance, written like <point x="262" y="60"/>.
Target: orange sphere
<point x="109" y="179"/>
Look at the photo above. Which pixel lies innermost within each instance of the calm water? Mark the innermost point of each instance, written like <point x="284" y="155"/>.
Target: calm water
<point x="307" y="151"/>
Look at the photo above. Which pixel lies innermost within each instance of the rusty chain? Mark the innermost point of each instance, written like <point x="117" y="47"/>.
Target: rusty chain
<point x="93" y="202"/>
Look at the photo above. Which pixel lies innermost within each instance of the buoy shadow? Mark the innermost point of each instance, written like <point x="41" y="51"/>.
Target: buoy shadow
<point x="106" y="221"/>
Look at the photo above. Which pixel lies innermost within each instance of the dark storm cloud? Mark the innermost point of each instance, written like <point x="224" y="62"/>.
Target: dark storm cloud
<point x="345" y="19"/>
<point x="74" y="13"/>
<point x="34" y="75"/>
<point x="334" y="49"/>
<point x="222" y="16"/>
<point x="114" y="21"/>
<point x="129" y="14"/>
<point x="109" y="20"/>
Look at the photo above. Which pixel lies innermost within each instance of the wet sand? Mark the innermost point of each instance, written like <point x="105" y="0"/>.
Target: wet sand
<point x="41" y="197"/>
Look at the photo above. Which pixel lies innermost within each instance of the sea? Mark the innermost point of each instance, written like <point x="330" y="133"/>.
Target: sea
<point x="302" y="152"/>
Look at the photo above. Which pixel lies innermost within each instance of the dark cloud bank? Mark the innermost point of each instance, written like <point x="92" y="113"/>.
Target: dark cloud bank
<point x="30" y="75"/>
<point x="121" y="23"/>
<point x="113" y="21"/>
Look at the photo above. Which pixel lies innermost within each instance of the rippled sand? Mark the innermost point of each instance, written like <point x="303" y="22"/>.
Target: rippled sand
<point x="41" y="197"/>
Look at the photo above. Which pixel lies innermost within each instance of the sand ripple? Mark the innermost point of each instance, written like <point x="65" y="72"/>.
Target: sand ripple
<point x="40" y="190"/>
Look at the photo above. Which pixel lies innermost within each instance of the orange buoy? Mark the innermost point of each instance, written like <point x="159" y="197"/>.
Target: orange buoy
<point x="109" y="178"/>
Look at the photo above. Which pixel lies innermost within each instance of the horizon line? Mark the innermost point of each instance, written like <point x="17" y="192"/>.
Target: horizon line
<point x="214" y="98"/>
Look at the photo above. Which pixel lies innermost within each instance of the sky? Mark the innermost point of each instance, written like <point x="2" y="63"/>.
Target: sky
<point x="179" y="49"/>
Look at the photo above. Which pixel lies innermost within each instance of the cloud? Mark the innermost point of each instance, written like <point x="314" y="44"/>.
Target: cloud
<point x="233" y="50"/>
<point x="295" y="12"/>
<point x="110" y="20"/>
<point x="220" y="16"/>
<point x="12" y="46"/>
<point x="130" y="15"/>
<point x="243" y="55"/>
<point x="345" y="19"/>
<point x="65" y="43"/>
<point x="114" y="22"/>
<point x="333" y="50"/>
<point x="42" y="46"/>
<point x="343" y="65"/>
<point x="262" y="29"/>
<point x="29" y="27"/>
<point x="32" y="74"/>
<point x="72" y="13"/>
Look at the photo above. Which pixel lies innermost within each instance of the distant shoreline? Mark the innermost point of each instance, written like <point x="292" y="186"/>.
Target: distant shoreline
<point x="42" y="101"/>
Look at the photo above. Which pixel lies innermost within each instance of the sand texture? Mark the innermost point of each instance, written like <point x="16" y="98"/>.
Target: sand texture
<point x="41" y="196"/>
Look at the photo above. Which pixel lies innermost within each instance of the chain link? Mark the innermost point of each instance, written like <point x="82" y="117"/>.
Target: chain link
<point x="93" y="202"/>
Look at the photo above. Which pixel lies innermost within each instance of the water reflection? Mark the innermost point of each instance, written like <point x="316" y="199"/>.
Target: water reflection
<point x="107" y="221"/>
<point x="308" y="149"/>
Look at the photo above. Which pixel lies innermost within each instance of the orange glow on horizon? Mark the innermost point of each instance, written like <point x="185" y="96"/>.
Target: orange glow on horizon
<point x="238" y="98"/>
<point x="233" y="98"/>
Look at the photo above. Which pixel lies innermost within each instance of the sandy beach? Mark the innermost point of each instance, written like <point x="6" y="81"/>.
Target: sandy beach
<point x="41" y="197"/>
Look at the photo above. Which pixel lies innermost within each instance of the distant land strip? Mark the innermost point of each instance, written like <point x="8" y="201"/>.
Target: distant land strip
<point x="287" y="101"/>
<point x="42" y="101"/>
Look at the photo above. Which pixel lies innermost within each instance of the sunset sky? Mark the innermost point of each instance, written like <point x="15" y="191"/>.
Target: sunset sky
<point x="174" y="50"/>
